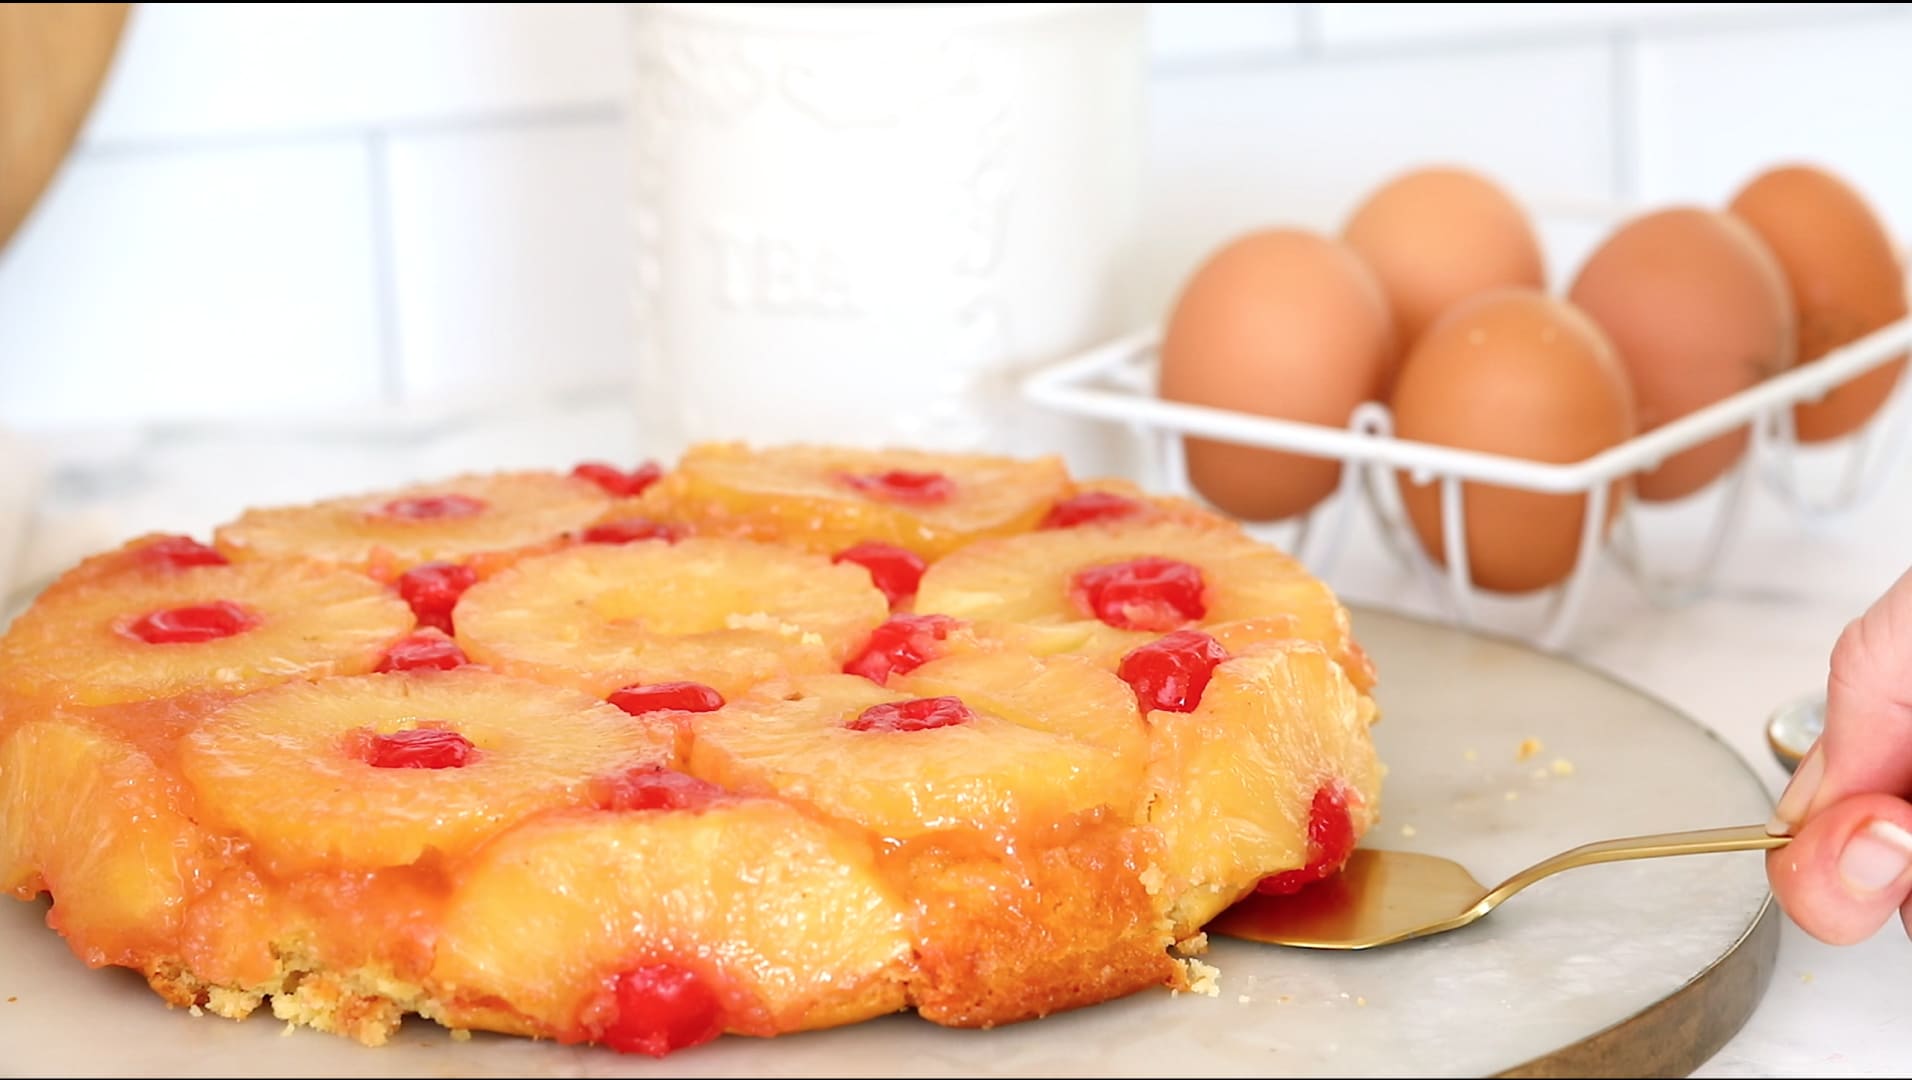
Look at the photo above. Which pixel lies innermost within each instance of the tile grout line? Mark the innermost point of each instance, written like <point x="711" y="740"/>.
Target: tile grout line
<point x="1623" y="99"/>
<point x="1312" y="47"/>
<point x="469" y="123"/>
<point x="384" y="268"/>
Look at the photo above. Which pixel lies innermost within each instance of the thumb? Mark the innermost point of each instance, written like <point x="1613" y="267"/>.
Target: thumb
<point x="1848" y="870"/>
<point x="1867" y="743"/>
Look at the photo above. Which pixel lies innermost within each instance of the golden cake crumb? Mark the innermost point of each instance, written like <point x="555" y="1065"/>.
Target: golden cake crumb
<point x="230" y="1003"/>
<point x="1471" y="754"/>
<point x="1528" y="748"/>
<point x="460" y="1035"/>
<point x="1205" y="979"/>
<point x="1562" y="767"/>
<point x="1194" y="945"/>
<point x="1407" y="830"/>
<point x="1362" y="1002"/>
<point x="1153" y="879"/>
<point x="1512" y="795"/>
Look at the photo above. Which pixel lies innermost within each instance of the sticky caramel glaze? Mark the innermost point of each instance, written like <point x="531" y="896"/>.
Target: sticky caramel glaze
<point x="1001" y="926"/>
<point x="204" y="917"/>
<point x="1018" y="925"/>
<point x="104" y="824"/>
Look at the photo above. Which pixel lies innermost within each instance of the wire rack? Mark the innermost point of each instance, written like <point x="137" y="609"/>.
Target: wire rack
<point x="1115" y="382"/>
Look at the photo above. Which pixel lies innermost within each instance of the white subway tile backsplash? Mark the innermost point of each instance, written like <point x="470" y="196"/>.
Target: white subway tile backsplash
<point x="511" y="263"/>
<point x="1302" y="144"/>
<point x="1714" y="111"/>
<point x="1346" y="25"/>
<point x="222" y="70"/>
<point x="310" y="206"/>
<point x="1189" y="33"/>
<point x="192" y="284"/>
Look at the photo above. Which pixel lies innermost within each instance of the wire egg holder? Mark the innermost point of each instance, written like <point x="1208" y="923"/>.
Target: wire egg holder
<point x="1115" y="382"/>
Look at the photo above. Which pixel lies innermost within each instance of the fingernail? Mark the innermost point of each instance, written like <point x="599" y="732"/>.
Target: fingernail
<point x="1798" y="794"/>
<point x="1876" y="856"/>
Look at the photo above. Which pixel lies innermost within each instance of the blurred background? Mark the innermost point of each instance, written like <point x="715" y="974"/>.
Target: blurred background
<point x="300" y="208"/>
<point x="296" y="250"/>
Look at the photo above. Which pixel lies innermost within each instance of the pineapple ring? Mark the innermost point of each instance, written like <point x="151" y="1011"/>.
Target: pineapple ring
<point x="89" y="820"/>
<point x="1231" y="782"/>
<point x="1062" y="694"/>
<point x="826" y="499"/>
<point x="793" y="740"/>
<point x="279" y="767"/>
<point x="726" y="613"/>
<point x="313" y="620"/>
<point x="392" y="531"/>
<point x="1017" y="590"/>
<point x="789" y="918"/>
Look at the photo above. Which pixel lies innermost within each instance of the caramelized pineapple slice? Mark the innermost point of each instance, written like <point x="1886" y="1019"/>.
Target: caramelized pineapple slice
<point x="384" y="770"/>
<point x="1275" y="740"/>
<point x="1099" y="591"/>
<point x="389" y="532"/>
<point x="830" y="499"/>
<point x="902" y="764"/>
<point x="657" y="927"/>
<point x="725" y="613"/>
<point x="101" y="639"/>
<point x="89" y="818"/>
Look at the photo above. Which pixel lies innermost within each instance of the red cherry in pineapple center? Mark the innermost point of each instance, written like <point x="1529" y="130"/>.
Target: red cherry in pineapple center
<point x="630" y="530"/>
<point x="916" y="714"/>
<point x="616" y="481"/>
<point x="419" y="748"/>
<point x="1330" y="842"/>
<point x="667" y="697"/>
<point x="193" y="624"/>
<point x="901" y="645"/>
<point x="432" y="507"/>
<point x="1150" y="593"/>
<point x="1171" y="672"/>
<point x="433" y="590"/>
<point x="426" y="650"/>
<point x="904" y="486"/>
<point x="179" y="552"/>
<point x="897" y="571"/>
<point x="658" y="1008"/>
<point x="653" y="787"/>
<point x="1089" y="508"/>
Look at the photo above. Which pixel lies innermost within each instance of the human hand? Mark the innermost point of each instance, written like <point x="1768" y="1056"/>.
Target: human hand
<point x="1849" y="866"/>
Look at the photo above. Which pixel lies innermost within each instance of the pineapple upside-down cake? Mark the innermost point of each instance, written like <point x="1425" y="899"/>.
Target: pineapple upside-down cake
<point x="777" y="739"/>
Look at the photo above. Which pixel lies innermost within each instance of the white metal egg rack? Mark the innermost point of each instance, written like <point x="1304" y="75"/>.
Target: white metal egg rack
<point x="1116" y="382"/>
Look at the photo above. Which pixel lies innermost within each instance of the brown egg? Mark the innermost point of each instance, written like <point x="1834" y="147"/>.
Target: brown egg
<point x="1698" y="308"/>
<point x="1283" y="323"/>
<point x="1438" y="236"/>
<point x="1844" y="280"/>
<point x="1519" y="373"/>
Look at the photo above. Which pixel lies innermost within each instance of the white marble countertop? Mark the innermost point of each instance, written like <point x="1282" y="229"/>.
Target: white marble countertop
<point x="1784" y="591"/>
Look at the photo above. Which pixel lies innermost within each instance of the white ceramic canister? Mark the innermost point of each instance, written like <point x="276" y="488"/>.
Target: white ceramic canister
<point x="862" y="223"/>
